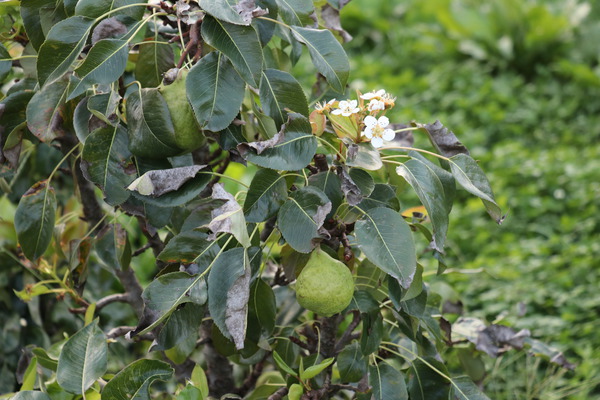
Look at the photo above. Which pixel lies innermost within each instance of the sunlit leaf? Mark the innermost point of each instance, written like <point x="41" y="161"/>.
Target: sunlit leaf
<point x="83" y="359"/>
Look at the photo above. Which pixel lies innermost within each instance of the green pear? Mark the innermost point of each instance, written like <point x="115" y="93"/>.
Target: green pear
<point x="325" y="285"/>
<point x="188" y="135"/>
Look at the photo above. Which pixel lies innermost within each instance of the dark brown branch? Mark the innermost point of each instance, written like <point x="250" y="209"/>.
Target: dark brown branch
<point x="123" y="330"/>
<point x="133" y="290"/>
<point x="192" y="43"/>
<point x="219" y="371"/>
<point x="300" y="343"/>
<point x="250" y="381"/>
<point x="347" y="335"/>
<point x="141" y="250"/>
<point x="103" y="302"/>
<point x="279" y="394"/>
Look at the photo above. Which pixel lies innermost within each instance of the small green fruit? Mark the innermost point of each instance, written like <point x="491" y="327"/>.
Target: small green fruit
<point x="188" y="135"/>
<point x="325" y="285"/>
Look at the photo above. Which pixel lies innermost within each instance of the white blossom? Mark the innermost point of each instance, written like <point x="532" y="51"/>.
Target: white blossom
<point x="376" y="130"/>
<point x="346" y="108"/>
<point x="376" y="105"/>
<point x="373" y="95"/>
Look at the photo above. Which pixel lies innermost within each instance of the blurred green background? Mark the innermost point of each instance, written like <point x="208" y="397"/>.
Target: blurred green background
<point x="519" y="83"/>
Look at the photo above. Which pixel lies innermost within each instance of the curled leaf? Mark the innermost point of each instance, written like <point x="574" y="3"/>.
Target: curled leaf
<point x="158" y="182"/>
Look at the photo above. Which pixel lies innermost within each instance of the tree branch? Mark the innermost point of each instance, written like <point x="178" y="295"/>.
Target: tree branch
<point x="103" y="302"/>
<point x="279" y="394"/>
<point x="347" y="335"/>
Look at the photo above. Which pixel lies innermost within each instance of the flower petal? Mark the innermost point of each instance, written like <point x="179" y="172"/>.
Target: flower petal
<point x="368" y="132"/>
<point x="377" y="142"/>
<point x="388" y="135"/>
<point x="383" y="121"/>
<point x="370" y="121"/>
<point x="336" y="112"/>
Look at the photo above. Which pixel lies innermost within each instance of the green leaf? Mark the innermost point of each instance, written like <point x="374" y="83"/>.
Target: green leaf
<point x="190" y="393"/>
<point x="224" y="10"/>
<point x="149" y="125"/>
<point x="83" y="359"/>
<point x="113" y="248"/>
<point x="30" y="13"/>
<point x="188" y="247"/>
<point x="296" y="391"/>
<point x="431" y="193"/>
<point x="263" y="306"/>
<point x="282" y="364"/>
<point x="386" y="239"/>
<point x="104" y="64"/>
<point x="387" y="382"/>
<point x="463" y="388"/>
<point x="315" y="370"/>
<point x="329" y="183"/>
<point x="134" y="381"/>
<point x="301" y="216"/>
<point x="34" y="219"/>
<point x="445" y="177"/>
<point x="363" y="180"/>
<point x="154" y="59"/>
<point x="181" y="330"/>
<point x="104" y="107"/>
<point x="62" y="47"/>
<point x="96" y="8"/>
<point x="327" y="55"/>
<point x="5" y="63"/>
<point x="267" y="192"/>
<point x="291" y="149"/>
<point x="106" y="162"/>
<point x="30" y="395"/>
<point x="215" y="91"/>
<point x="165" y="293"/>
<point x="296" y="12"/>
<point x="199" y="380"/>
<point x="372" y="333"/>
<point x="228" y="294"/>
<point x="187" y="192"/>
<point x="30" y="375"/>
<point x="280" y="93"/>
<point x="468" y="174"/>
<point x="45" y="111"/>
<point x="351" y="363"/>
<point x="427" y="384"/>
<point x="239" y="43"/>
<point x="14" y="106"/>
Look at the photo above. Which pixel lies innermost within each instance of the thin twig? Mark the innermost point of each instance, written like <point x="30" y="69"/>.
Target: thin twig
<point x="347" y="335"/>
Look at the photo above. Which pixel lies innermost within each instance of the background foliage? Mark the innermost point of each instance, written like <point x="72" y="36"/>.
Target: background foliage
<point x="517" y="81"/>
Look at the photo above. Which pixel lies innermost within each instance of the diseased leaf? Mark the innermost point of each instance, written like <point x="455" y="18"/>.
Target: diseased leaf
<point x="239" y="43"/>
<point x="106" y="162"/>
<point x="215" y="91"/>
<point x="444" y="140"/>
<point x="296" y="12"/>
<point x="331" y="20"/>
<point x="280" y="93"/>
<point x="155" y="58"/>
<point x="327" y="55"/>
<point x="387" y="382"/>
<point x="555" y="356"/>
<point x="363" y="155"/>
<point x="468" y="174"/>
<point x="63" y="44"/>
<point x="46" y="111"/>
<point x="228" y="294"/>
<point x="104" y="64"/>
<point x="301" y="217"/>
<point x="108" y="28"/>
<point x="83" y="359"/>
<point x="385" y="238"/>
<point x="134" y="381"/>
<point x="291" y="149"/>
<point x="431" y="193"/>
<point x="229" y="217"/>
<point x="158" y="182"/>
<point x="267" y="192"/>
<point x="34" y="219"/>
<point x="329" y="183"/>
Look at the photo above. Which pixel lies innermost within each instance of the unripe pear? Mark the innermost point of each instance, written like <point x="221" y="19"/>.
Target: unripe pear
<point x="325" y="285"/>
<point x="188" y="134"/>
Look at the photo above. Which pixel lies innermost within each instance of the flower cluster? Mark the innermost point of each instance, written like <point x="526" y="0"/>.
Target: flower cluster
<point x="361" y="120"/>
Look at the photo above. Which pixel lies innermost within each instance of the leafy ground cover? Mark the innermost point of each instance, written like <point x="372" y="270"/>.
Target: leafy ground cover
<point x="535" y="126"/>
